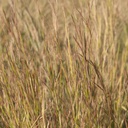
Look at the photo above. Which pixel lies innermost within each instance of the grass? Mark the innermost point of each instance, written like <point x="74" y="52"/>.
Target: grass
<point x="64" y="64"/>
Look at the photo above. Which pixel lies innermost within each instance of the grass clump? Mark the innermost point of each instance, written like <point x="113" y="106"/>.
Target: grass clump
<point x="64" y="64"/>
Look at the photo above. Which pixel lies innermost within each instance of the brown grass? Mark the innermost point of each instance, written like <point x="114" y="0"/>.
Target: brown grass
<point x="64" y="64"/>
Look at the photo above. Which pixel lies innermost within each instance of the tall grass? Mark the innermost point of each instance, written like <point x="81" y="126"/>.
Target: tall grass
<point x="63" y="64"/>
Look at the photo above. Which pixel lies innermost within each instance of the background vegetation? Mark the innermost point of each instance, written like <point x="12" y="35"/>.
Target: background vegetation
<point x="63" y="64"/>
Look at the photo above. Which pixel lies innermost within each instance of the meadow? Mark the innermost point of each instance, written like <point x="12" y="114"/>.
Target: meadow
<point x="64" y="64"/>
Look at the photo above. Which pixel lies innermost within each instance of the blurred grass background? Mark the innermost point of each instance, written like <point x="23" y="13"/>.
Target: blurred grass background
<point x="63" y="64"/>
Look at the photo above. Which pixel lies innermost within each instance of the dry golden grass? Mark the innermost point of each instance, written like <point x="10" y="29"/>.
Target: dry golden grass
<point x="63" y="64"/>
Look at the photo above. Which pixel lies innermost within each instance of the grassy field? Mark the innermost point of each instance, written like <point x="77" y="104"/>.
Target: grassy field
<point x="64" y="64"/>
